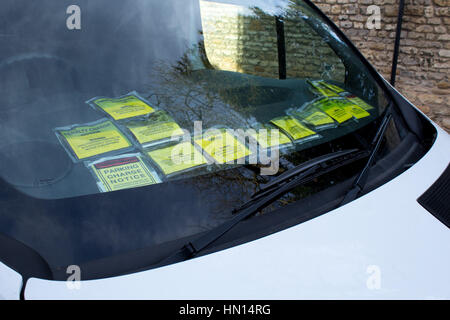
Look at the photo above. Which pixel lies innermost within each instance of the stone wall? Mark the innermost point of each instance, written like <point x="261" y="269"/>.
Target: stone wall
<point x="244" y="40"/>
<point x="424" y="62"/>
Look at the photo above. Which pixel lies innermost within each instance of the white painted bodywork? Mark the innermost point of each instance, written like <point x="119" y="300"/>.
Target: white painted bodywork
<point x="381" y="246"/>
<point x="10" y="283"/>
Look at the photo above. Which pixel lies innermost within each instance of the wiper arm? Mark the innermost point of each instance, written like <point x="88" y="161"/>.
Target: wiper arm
<point x="286" y="182"/>
<point x="361" y="180"/>
<point x="303" y="169"/>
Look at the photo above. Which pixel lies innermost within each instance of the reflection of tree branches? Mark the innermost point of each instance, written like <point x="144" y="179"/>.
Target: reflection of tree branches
<point x="193" y="95"/>
<point x="190" y="98"/>
<point x="227" y="189"/>
<point x="202" y="95"/>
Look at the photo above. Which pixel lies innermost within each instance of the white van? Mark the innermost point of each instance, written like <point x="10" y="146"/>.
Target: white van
<point x="193" y="149"/>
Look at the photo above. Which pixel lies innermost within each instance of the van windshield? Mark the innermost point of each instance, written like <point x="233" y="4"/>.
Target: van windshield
<point x="133" y="123"/>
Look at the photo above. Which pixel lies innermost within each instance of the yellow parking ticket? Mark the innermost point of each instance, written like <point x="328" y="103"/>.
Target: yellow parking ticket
<point x="359" y="102"/>
<point x="326" y="92"/>
<point x="177" y="158"/>
<point x="271" y="138"/>
<point x="93" y="139"/>
<point x="222" y="146"/>
<point x="350" y="108"/>
<point x="356" y="111"/>
<point x="128" y="106"/>
<point x="314" y="117"/>
<point x="334" y="109"/>
<point x="333" y="87"/>
<point x="124" y="172"/>
<point x="293" y="127"/>
<point x="322" y="90"/>
<point x="318" y="119"/>
<point x="159" y="127"/>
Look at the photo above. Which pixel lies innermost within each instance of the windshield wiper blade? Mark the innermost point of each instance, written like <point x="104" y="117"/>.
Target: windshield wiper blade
<point x="291" y="179"/>
<point x="361" y="180"/>
<point x="303" y="169"/>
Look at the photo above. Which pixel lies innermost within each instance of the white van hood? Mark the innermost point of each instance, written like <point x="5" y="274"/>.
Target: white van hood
<point x="383" y="245"/>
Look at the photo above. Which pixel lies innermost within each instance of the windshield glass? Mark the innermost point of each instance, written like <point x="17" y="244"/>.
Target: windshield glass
<point x="128" y="124"/>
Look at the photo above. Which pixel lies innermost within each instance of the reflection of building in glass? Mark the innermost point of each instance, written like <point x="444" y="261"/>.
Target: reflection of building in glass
<point x="244" y="40"/>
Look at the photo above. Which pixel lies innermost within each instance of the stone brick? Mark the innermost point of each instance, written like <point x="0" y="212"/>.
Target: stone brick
<point x="444" y="53"/>
<point x="446" y="123"/>
<point x="424" y="28"/>
<point x="440" y="29"/>
<point x="442" y="3"/>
